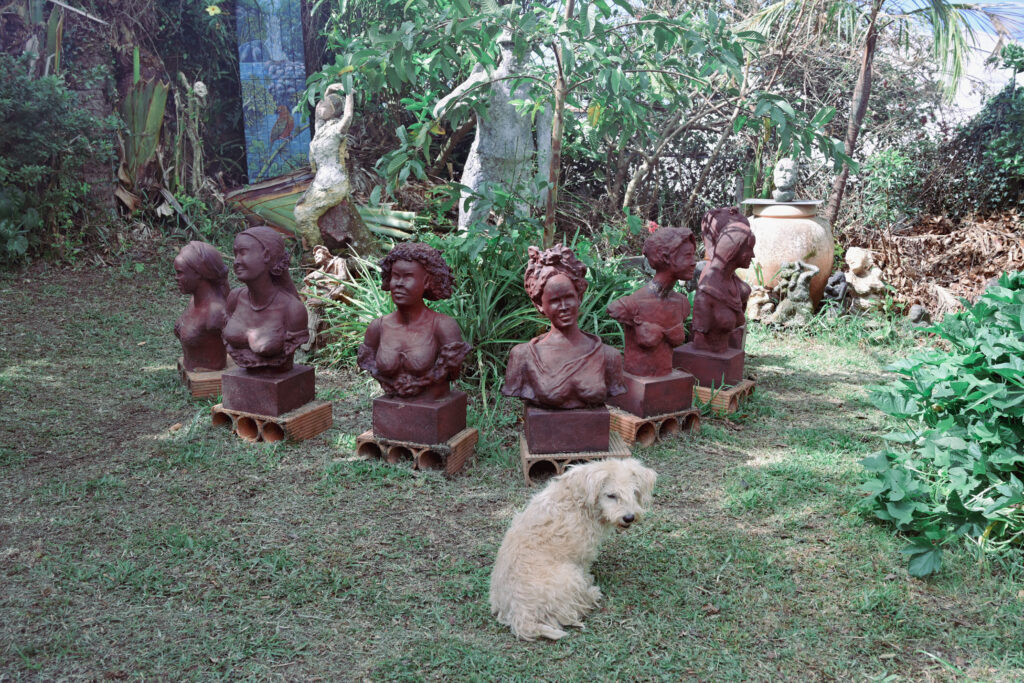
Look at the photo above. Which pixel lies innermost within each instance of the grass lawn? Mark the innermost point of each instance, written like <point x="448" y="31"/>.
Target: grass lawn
<point x="137" y="541"/>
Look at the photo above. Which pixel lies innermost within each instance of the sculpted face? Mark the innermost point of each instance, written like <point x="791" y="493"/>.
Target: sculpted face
<point x="683" y="261"/>
<point x="745" y="256"/>
<point x="185" y="276"/>
<point x="785" y="174"/>
<point x="408" y="282"/>
<point x="560" y="303"/>
<point x="250" y="258"/>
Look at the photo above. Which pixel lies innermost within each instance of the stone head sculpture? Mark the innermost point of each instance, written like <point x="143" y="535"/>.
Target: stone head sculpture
<point x="565" y="367"/>
<point x="414" y="352"/>
<point x="267" y="321"/>
<point x="653" y="318"/>
<point x="785" y="176"/>
<point x="200" y="271"/>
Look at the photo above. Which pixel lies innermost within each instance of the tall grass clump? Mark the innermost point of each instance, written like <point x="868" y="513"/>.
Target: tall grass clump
<point x="956" y="471"/>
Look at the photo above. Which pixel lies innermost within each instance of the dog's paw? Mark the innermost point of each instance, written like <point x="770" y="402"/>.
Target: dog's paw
<point x="550" y="632"/>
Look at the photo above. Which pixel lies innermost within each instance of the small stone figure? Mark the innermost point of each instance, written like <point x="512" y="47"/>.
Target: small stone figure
<point x="720" y="302"/>
<point x="919" y="316"/>
<point x="330" y="280"/>
<point x="865" y="280"/>
<point x="414" y="352"/>
<point x="785" y="177"/>
<point x="510" y="146"/>
<point x="653" y="317"/>
<point x="836" y="291"/>
<point x="267" y="321"/>
<point x="200" y="271"/>
<point x="794" y="293"/>
<point x="564" y="367"/>
<point x="759" y="304"/>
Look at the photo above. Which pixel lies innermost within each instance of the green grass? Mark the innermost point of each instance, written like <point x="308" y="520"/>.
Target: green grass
<point x="138" y="541"/>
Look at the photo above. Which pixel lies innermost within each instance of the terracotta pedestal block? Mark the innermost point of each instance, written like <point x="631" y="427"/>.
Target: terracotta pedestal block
<point x="427" y="422"/>
<point x="646" y="396"/>
<point x="708" y="367"/>
<point x="268" y="393"/>
<point x="565" y="431"/>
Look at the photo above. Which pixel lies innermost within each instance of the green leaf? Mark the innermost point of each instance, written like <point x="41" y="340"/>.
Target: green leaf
<point x="924" y="562"/>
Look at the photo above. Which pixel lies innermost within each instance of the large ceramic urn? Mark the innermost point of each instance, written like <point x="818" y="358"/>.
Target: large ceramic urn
<point x="789" y="232"/>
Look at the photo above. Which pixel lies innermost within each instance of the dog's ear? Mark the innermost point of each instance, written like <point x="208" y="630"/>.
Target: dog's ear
<point x="594" y="479"/>
<point x="645" y="478"/>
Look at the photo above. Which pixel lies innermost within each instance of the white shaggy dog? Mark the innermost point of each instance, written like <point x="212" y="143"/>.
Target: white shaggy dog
<point x="541" y="579"/>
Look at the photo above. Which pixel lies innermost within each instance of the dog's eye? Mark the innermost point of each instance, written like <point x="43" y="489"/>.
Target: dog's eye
<point x="613" y="496"/>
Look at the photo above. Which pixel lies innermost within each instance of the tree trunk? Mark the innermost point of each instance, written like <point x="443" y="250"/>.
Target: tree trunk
<point x="557" y="125"/>
<point x="858" y="109"/>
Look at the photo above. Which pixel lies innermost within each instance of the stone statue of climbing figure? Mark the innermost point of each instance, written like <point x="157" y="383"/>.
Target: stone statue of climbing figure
<point x="510" y="146"/>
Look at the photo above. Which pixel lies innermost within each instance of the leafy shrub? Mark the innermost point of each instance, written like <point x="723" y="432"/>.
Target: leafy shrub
<point x="45" y="140"/>
<point x="958" y="472"/>
<point x="890" y="184"/>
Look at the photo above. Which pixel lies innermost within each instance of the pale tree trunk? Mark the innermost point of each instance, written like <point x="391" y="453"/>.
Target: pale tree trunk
<point x="858" y="109"/>
<point x="557" y="125"/>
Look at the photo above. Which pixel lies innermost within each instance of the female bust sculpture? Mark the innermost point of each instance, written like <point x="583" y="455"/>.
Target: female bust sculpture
<point x="718" y="305"/>
<point x="414" y="352"/>
<point x="564" y="367"/>
<point x="200" y="271"/>
<point x="266" y="319"/>
<point x="653" y="317"/>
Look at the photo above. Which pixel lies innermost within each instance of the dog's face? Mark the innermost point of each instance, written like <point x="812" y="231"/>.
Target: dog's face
<point x="619" y="491"/>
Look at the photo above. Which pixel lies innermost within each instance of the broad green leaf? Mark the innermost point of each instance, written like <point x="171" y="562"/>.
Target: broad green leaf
<point x="925" y="562"/>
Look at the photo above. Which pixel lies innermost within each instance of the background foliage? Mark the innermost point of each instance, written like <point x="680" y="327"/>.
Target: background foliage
<point x="45" y="139"/>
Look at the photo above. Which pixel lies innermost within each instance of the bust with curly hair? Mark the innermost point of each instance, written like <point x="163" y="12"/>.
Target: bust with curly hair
<point x="266" y="318"/>
<point x="565" y="367"/>
<point x="653" y="317"/>
<point x="414" y="352"/>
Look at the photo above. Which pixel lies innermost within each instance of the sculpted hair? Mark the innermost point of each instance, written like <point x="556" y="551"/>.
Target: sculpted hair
<point x="277" y="258"/>
<point x="732" y="240"/>
<point x="440" y="280"/>
<point x="207" y="262"/>
<point x="659" y="247"/>
<point x="715" y="222"/>
<point x="543" y="265"/>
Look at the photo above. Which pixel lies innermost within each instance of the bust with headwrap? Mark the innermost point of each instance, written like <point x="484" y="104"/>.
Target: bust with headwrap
<point x="199" y="270"/>
<point x="267" y="321"/>
<point x="564" y="368"/>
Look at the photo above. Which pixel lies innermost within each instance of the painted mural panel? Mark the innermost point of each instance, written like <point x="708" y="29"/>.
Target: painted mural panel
<point x="273" y="78"/>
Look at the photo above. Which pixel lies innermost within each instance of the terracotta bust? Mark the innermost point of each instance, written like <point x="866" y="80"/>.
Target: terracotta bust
<point x="565" y="367"/>
<point x="721" y="297"/>
<point x="653" y="317"/>
<point x="267" y="321"/>
<point x="414" y="352"/>
<point x="200" y="271"/>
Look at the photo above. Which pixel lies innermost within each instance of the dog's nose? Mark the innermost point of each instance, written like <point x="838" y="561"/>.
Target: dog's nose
<point x="628" y="519"/>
